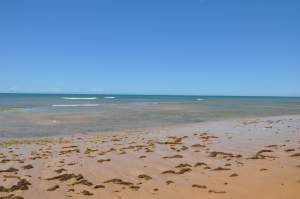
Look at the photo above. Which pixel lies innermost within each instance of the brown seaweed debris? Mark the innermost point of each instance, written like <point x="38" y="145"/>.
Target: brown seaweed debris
<point x="199" y="186"/>
<point x="260" y="155"/>
<point x="289" y="150"/>
<point x="198" y="145"/>
<point x="22" y="184"/>
<point x="104" y="160"/>
<point x="119" y="182"/>
<point x="199" y="164"/>
<point x="144" y="176"/>
<point x="173" y="141"/>
<point x="87" y="193"/>
<point x="65" y="177"/>
<point x="28" y="166"/>
<point x="206" y="138"/>
<point x="5" y="160"/>
<point x="134" y="187"/>
<point x="234" y="175"/>
<point x="88" y="150"/>
<point x="104" y="152"/>
<point x="174" y="156"/>
<point x="182" y="171"/>
<point x="224" y="154"/>
<point x="83" y="182"/>
<point x="263" y="151"/>
<point x="53" y="188"/>
<point x="60" y="170"/>
<point x="98" y="186"/>
<point x="220" y="169"/>
<point x="11" y="176"/>
<point x="69" y="151"/>
<point x="9" y="170"/>
<point x="11" y="196"/>
<point x="169" y="182"/>
<point x="218" y="192"/>
<point x="68" y="147"/>
<point x="168" y="172"/>
<point x="295" y="155"/>
<point x="263" y="169"/>
<point x="183" y="165"/>
<point x="272" y="146"/>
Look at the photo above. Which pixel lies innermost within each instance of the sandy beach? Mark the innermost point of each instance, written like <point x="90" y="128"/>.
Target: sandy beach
<point x="237" y="158"/>
<point x="150" y="99"/>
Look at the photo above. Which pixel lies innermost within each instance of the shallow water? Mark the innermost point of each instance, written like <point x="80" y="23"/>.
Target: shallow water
<point x="35" y="115"/>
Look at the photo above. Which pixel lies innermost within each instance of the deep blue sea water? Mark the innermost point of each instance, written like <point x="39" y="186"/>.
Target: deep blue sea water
<point x="35" y="115"/>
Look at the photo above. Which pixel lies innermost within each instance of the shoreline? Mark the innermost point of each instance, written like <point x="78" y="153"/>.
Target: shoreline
<point x="150" y="129"/>
<point x="204" y="160"/>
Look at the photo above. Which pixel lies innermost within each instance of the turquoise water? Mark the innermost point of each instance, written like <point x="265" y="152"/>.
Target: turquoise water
<point x="35" y="115"/>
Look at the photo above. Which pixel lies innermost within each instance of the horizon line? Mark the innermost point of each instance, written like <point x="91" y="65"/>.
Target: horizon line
<point x="201" y="95"/>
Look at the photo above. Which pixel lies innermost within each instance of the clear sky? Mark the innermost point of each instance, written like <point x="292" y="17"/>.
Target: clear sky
<point x="210" y="47"/>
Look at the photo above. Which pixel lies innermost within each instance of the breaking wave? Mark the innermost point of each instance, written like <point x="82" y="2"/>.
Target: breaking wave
<point x="79" y="98"/>
<point x="74" y="105"/>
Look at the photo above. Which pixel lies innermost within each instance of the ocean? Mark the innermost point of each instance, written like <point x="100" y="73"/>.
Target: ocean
<point x="40" y="115"/>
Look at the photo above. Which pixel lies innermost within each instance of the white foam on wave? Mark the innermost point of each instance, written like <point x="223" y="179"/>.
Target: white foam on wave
<point x="109" y="97"/>
<point x="200" y="99"/>
<point x="74" y="105"/>
<point x="80" y="98"/>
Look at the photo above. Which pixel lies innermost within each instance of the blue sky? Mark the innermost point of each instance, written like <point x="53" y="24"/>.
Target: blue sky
<point x="210" y="47"/>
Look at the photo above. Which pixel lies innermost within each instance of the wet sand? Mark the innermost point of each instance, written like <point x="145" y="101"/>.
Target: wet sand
<point x="248" y="158"/>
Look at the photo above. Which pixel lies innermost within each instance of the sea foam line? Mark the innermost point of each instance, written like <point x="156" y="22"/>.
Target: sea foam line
<point x="109" y="97"/>
<point x="80" y="98"/>
<point x="74" y="105"/>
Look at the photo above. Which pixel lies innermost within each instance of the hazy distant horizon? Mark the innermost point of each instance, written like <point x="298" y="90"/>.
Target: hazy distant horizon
<point x="146" y="94"/>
